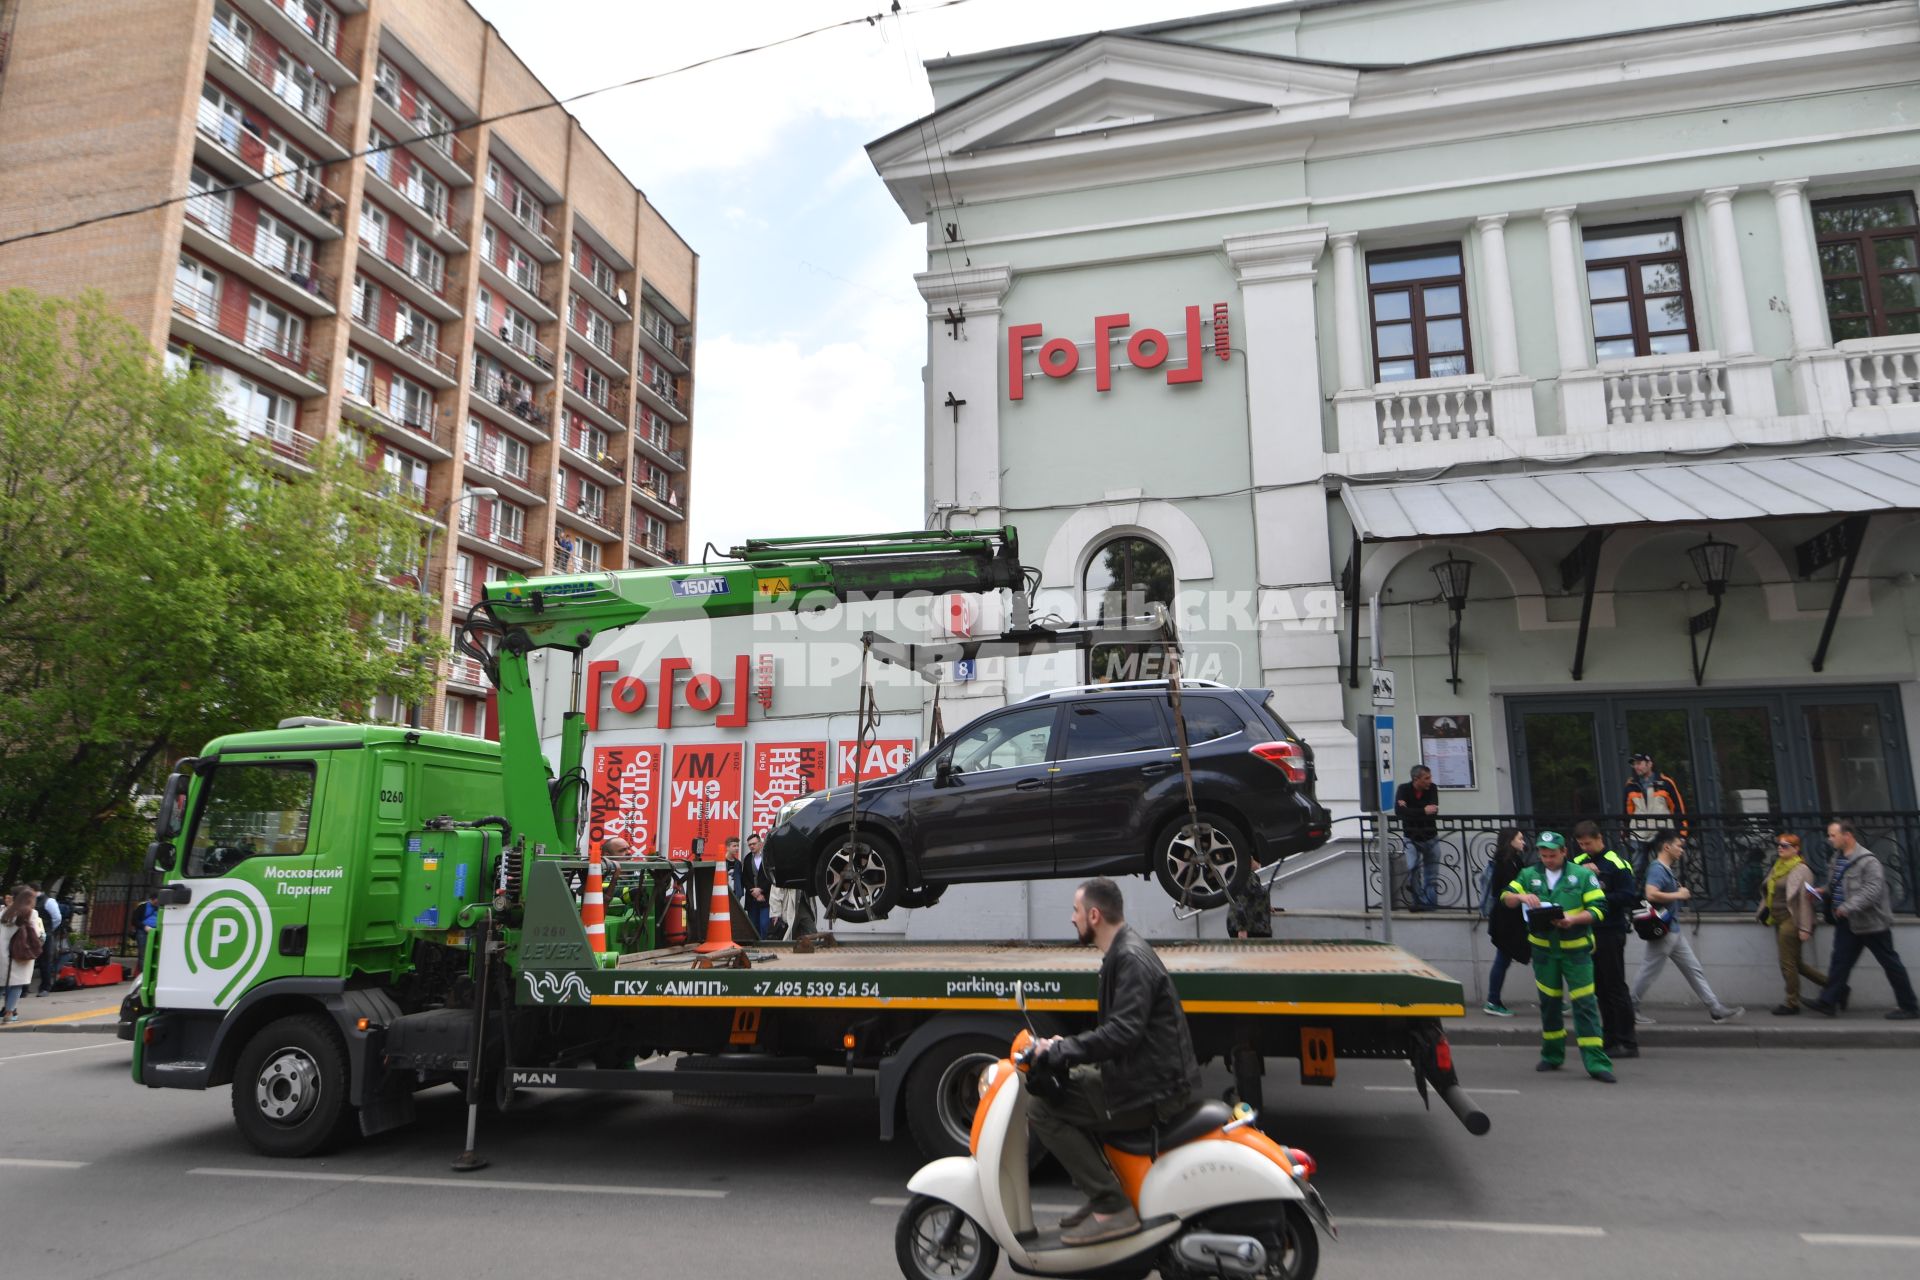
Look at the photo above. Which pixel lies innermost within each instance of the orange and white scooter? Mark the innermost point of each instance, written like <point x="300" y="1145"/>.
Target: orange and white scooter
<point x="1216" y="1198"/>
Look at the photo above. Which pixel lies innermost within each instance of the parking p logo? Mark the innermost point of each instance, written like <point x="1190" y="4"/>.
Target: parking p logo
<point x="226" y="939"/>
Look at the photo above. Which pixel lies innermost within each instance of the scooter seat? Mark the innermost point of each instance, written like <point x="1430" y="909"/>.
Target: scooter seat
<point x="1198" y="1120"/>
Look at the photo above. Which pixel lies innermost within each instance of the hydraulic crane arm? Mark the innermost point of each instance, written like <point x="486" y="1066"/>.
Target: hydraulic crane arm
<point x="568" y="611"/>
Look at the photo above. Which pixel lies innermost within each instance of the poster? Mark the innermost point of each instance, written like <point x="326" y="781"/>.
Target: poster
<point x="784" y="771"/>
<point x="884" y="757"/>
<point x="626" y="798"/>
<point x="1446" y="747"/>
<point x="704" y="798"/>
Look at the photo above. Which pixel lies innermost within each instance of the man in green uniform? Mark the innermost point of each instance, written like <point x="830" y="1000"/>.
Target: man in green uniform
<point x="1563" y="952"/>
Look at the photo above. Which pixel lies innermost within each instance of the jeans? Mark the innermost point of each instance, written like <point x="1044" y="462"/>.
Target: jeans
<point x="49" y="963"/>
<point x="13" y="997"/>
<point x="1676" y="948"/>
<point x="1610" y="982"/>
<point x="1497" y="977"/>
<point x="1423" y="871"/>
<point x="1067" y="1124"/>
<point x="1847" y="946"/>
<point x="762" y="915"/>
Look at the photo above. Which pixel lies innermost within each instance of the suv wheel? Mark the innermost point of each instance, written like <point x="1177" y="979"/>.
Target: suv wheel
<point x="859" y="881"/>
<point x="1200" y="867"/>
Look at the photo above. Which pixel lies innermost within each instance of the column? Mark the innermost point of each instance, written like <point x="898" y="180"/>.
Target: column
<point x="963" y="446"/>
<point x="1354" y="414"/>
<point x="1511" y="394"/>
<point x="1819" y="371"/>
<point x="1749" y="377"/>
<point x="1581" y="391"/>
<point x="1299" y="646"/>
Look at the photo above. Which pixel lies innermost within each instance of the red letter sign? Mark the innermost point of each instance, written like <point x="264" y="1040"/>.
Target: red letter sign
<point x="884" y="758"/>
<point x="705" y="800"/>
<point x="784" y="771"/>
<point x="626" y="798"/>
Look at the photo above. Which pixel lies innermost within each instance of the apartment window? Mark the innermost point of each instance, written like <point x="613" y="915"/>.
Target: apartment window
<point x="424" y="262"/>
<point x="513" y="457"/>
<point x="380" y="154"/>
<point x="427" y="192"/>
<point x="406" y="474"/>
<point x="656" y="532"/>
<point x="386" y="83"/>
<point x="522" y="269"/>
<point x="599" y="329"/>
<point x="414" y="332"/>
<point x="208" y="204"/>
<point x="1867" y="257"/>
<point x="290" y="168"/>
<point x="476" y="440"/>
<point x="509" y="522"/>
<point x="366" y="302"/>
<point x="319" y="20"/>
<point x="1418" y="301"/>
<point x="359" y="377"/>
<point x="590" y="556"/>
<point x="463" y="578"/>
<point x="1637" y="289"/>
<point x="496" y="181"/>
<point x="516" y="328"/>
<point x="231" y="32"/>
<point x="373" y="228"/>
<point x="529" y="210"/>
<point x="278" y="247"/>
<point x="388" y="709"/>
<point x="455" y="716"/>
<point x="593" y="384"/>
<point x="221" y="117"/>
<point x="274" y="328"/>
<point x="295" y="84"/>
<point x="592" y="502"/>
<point x="411" y="403"/>
<point x="197" y="288"/>
<point x="257" y="409"/>
<point x="432" y="120"/>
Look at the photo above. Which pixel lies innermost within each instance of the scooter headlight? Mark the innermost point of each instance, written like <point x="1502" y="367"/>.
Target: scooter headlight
<point x="988" y="1076"/>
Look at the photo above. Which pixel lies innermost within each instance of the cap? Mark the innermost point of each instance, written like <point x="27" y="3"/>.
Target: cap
<point x="1551" y="840"/>
<point x="1638" y="756"/>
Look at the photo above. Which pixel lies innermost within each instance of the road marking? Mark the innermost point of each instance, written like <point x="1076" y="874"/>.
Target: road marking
<point x="82" y="1016"/>
<point x="9" y="1162"/>
<point x="44" y="1053"/>
<point x="489" y="1184"/>
<point x="1498" y="1228"/>
<point x="1407" y="1088"/>
<point x="1867" y="1242"/>
<point x="900" y="1202"/>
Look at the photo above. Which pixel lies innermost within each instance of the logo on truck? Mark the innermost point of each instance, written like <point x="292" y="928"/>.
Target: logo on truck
<point x="226" y="939"/>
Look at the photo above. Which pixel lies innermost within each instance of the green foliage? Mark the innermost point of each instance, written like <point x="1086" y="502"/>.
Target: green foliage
<point x="162" y="582"/>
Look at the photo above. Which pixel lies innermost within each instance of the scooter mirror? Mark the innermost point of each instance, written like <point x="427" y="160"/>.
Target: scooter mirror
<point x="1019" y="995"/>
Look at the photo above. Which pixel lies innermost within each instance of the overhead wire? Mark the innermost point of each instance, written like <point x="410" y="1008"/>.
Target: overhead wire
<point x="315" y="167"/>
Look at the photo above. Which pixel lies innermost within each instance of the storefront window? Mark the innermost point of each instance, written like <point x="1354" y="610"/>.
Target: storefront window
<point x="1849" y="757"/>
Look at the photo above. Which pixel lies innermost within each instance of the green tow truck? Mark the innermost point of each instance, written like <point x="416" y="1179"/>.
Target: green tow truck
<point x="356" y="913"/>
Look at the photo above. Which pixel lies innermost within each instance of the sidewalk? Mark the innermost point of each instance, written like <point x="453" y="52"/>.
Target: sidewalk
<point x="90" y="1010"/>
<point x="1688" y="1026"/>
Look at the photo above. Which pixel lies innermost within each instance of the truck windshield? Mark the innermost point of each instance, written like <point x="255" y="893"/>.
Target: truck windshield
<point x="250" y="811"/>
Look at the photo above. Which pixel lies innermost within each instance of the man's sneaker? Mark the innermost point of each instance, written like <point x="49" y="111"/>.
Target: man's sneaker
<point x="1728" y="1015"/>
<point x="1902" y="1015"/>
<point x="1822" y="1007"/>
<point x="1641" y="1020"/>
<point x="1077" y="1217"/>
<point x="1493" y="1008"/>
<point x="1102" y="1227"/>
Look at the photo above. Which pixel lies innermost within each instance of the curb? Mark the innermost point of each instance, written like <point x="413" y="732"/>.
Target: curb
<point x="64" y="1029"/>
<point x="1862" y="1037"/>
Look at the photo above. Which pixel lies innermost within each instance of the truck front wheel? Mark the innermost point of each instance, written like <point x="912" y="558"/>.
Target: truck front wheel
<point x="290" y="1087"/>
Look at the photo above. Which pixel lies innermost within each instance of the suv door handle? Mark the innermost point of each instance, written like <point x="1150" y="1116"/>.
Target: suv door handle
<point x="1154" y="770"/>
<point x="1029" y="784"/>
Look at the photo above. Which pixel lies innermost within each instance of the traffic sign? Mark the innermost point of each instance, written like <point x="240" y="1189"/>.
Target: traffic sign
<point x="1382" y="687"/>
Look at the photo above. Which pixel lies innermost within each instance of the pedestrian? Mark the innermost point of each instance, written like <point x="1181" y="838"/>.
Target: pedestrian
<point x="146" y="918"/>
<point x="1652" y="802"/>
<point x="55" y="922"/>
<point x="756" y="886"/>
<point x="1505" y="931"/>
<point x="1665" y="891"/>
<point x="22" y="939"/>
<point x="1862" y="920"/>
<point x="1415" y="804"/>
<point x="1250" y="911"/>
<point x="1616" y="878"/>
<point x="1563" y="953"/>
<point x="1787" y="907"/>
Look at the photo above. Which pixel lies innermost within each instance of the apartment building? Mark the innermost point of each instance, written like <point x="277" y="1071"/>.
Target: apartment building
<point x="1561" y="362"/>
<point x="491" y="314"/>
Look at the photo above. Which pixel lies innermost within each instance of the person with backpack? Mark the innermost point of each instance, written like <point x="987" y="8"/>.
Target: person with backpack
<point x="22" y="940"/>
<point x="53" y="922"/>
<point x="146" y="916"/>
<point x="1505" y="929"/>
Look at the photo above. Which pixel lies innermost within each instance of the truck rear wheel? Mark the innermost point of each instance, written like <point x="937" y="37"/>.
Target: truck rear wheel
<point x="290" y="1087"/>
<point x="943" y="1092"/>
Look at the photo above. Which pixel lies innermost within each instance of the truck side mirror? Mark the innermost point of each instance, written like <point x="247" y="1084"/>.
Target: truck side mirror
<point x="166" y="824"/>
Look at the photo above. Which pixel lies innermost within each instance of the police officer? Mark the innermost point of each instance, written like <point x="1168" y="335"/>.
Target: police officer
<point x="1563" y="952"/>
<point x="1616" y="878"/>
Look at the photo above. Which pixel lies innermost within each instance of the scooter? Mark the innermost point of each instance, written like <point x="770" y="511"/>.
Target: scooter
<point x="1216" y="1197"/>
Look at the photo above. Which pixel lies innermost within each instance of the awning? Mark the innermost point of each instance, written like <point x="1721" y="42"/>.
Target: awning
<point x="1858" y="482"/>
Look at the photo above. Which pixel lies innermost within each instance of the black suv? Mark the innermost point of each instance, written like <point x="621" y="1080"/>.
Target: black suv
<point x="1074" y="782"/>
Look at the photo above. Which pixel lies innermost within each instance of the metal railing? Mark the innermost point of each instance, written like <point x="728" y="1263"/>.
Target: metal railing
<point x="576" y="446"/>
<point x="433" y="282"/>
<point x="376" y="395"/>
<point x="270" y="341"/>
<point x="1725" y="864"/>
<point x="612" y="400"/>
<point x="433" y="129"/>
<point x="516" y="398"/>
<point x="282" y="439"/>
<point x="656" y="325"/>
<point x="380" y="165"/>
<point x="527" y="348"/>
<point x="314" y="105"/>
<point x="302" y="18"/>
<point x="216" y="218"/>
<point x="665" y="497"/>
<point x="493" y="461"/>
<point x="489" y="531"/>
<point x="250" y="149"/>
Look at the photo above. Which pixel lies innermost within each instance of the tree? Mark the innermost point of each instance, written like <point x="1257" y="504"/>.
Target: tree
<point x="164" y="579"/>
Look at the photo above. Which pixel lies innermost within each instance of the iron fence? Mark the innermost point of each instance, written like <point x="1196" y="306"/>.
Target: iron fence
<point x="1725" y="866"/>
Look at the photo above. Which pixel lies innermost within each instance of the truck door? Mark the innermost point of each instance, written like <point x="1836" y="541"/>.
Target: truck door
<point x="236" y="915"/>
<point x="987" y="799"/>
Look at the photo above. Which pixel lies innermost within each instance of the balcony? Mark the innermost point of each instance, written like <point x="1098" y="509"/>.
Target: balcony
<point x="658" y="389"/>
<point x="653" y="443"/>
<point x="532" y="229"/>
<point x="513" y="407"/>
<point x="601" y="466"/>
<point x="462" y="671"/>
<point x="654" y="551"/>
<point x="412" y="280"/>
<point x="663" y="502"/>
<point x="602" y="288"/>
<point x="287" y="22"/>
<point x="304" y="113"/>
<point x="208" y="231"/>
<point x="523" y="289"/>
<point x="417" y="354"/>
<point x="606" y="408"/>
<point x="374" y="406"/>
<point x="432" y="138"/>
<point x="295" y="194"/>
<point x="485" y="536"/>
<point x="410" y="200"/>
<point x="491" y="464"/>
<point x="588" y="517"/>
<point x="607" y="358"/>
<point x="1882" y="371"/>
<point x="657" y="335"/>
<point x="252" y="347"/>
<point x="278" y="439"/>
<point x="525" y="355"/>
<point x="1430" y="409"/>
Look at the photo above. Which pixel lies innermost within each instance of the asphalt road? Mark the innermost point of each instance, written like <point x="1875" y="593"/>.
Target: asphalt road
<point x="1700" y="1163"/>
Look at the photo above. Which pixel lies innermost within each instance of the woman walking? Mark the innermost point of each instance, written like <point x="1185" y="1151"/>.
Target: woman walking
<point x="20" y="921"/>
<point x="1509" y="855"/>
<point x="1788" y="908"/>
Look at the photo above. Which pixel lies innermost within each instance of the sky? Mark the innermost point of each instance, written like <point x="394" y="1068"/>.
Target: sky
<point x="807" y="407"/>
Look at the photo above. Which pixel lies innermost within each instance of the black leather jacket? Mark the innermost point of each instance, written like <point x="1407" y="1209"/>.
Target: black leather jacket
<point x="1142" y="1045"/>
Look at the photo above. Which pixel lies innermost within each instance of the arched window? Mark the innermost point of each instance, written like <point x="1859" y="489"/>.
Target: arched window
<point x="1122" y="578"/>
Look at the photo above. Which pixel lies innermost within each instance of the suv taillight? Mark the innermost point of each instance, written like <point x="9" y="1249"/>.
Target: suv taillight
<point x="1289" y="758"/>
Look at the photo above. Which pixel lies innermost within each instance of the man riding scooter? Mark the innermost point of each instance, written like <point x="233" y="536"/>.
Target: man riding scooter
<point x="1134" y="1070"/>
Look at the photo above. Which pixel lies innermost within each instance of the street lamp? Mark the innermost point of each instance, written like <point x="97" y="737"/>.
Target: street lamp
<point x="1453" y="575"/>
<point x="426" y="560"/>
<point x="1713" y="561"/>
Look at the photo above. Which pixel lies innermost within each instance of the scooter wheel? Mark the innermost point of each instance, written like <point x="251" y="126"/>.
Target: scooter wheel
<point x="935" y="1241"/>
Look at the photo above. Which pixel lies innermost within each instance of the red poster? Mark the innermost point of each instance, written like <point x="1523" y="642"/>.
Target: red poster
<point x="626" y="798"/>
<point x="884" y="757"/>
<point x="703" y="800"/>
<point x="784" y="771"/>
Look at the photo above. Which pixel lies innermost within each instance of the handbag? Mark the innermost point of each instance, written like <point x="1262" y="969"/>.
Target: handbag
<point x="1647" y="921"/>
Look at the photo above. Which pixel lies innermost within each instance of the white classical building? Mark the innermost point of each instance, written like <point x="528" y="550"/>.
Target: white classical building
<point x="1609" y="312"/>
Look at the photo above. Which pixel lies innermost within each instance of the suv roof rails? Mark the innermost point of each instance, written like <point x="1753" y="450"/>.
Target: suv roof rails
<point x="1122" y="684"/>
<point x="315" y="722"/>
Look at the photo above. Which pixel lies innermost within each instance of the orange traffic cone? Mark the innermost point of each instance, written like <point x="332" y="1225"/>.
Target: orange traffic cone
<point x="673" y="926"/>
<point x="593" y="908"/>
<point x="719" y="919"/>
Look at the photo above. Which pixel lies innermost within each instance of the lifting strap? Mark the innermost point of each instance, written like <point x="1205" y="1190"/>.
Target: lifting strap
<point x="1186" y="910"/>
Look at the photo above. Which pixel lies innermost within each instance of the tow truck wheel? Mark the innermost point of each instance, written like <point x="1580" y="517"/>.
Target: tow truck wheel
<point x="1200" y="867"/>
<point x="859" y="881"/>
<point x="290" y="1087"/>
<point x="943" y="1092"/>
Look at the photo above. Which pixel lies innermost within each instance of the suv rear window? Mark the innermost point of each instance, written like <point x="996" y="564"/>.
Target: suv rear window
<point x="1268" y="715"/>
<point x="1110" y="726"/>
<point x="1209" y="718"/>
